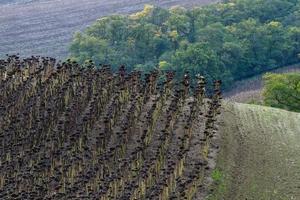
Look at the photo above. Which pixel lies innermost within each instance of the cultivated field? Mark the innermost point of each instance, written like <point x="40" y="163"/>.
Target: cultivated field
<point x="250" y="89"/>
<point x="68" y="132"/>
<point x="46" y="27"/>
<point x="259" y="157"/>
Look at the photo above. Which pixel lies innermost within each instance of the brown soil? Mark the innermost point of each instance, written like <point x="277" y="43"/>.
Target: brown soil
<point x="250" y="89"/>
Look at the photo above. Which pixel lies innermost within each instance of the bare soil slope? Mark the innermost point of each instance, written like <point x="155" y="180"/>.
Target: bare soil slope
<point x="45" y="27"/>
<point x="250" y="89"/>
<point x="259" y="157"/>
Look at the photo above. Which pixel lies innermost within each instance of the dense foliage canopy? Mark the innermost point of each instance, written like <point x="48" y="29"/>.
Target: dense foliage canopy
<point x="227" y="41"/>
<point x="282" y="91"/>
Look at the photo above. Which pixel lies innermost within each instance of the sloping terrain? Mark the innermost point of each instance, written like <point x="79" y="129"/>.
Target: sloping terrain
<point x="259" y="157"/>
<point x="250" y="89"/>
<point x="45" y="27"/>
<point x="84" y="133"/>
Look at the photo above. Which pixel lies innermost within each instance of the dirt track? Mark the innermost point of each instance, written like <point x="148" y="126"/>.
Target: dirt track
<point x="46" y="27"/>
<point x="260" y="155"/>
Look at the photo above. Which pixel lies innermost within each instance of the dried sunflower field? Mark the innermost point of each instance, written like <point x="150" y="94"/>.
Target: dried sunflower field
<point x="74" y="132"/>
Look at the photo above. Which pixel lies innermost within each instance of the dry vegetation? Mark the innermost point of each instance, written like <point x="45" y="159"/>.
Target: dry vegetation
<point x="46" y="27"/>
<point x="69" y="132"/>
<point x="73" y="132"/>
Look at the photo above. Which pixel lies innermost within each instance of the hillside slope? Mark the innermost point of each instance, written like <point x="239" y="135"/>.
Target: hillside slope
<point x="84" y="133"/>
<point x="45" y="27"/>
<point x="259" y="157"/>
<point x="250" y="89"/>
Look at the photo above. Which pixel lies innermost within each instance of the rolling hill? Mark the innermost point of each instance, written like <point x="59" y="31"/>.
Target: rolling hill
<point x="259" y="157"/>
<point x="84" y="133"/>
<point x="46" y="27"/>
<point x="250" y="89"/>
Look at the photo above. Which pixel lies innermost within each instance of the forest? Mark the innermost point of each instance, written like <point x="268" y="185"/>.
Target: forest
<point x="229" y="41"/>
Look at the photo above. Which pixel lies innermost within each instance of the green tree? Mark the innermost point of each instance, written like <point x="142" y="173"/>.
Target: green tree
<point x="86" y="47"/>
<point x="199" y="58"/>
<point x="282" y="91"/>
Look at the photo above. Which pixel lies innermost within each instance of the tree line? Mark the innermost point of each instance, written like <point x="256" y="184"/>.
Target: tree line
<point x="229" y="41"/>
